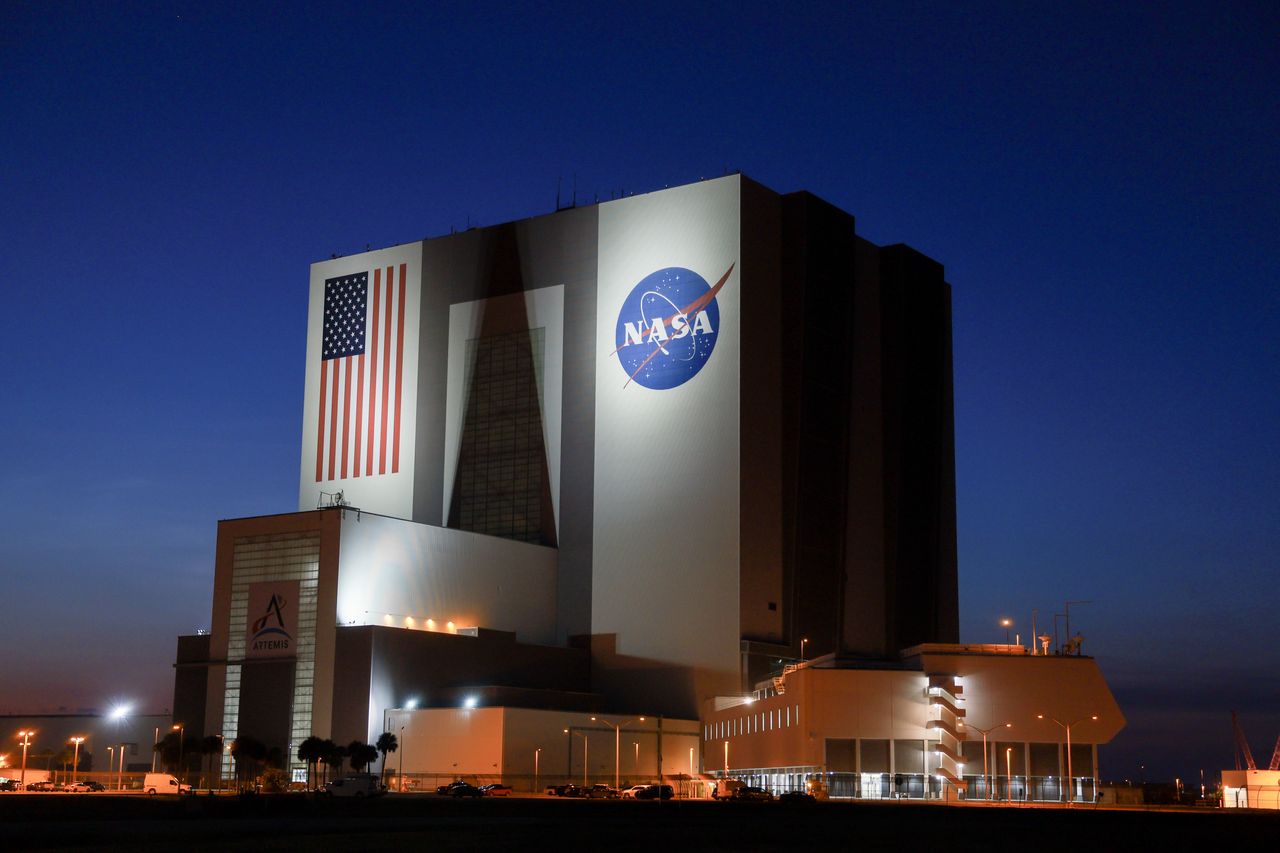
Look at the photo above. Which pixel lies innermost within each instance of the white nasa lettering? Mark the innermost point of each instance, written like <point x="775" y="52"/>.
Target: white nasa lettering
<point x="702" y="324"/>
<point x="634" y="334"/>
<point x="680" y="323"/>
<point x="657" y="331"/>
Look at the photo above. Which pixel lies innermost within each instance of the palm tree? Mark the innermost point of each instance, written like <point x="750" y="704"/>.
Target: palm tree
<point x="385" y="744"/>
<point x="309" y="752"/>
<point x="361" y="755"/>
<point x="247" y="750"/>
<point x="210" y="745"/>
<point x="337" y="754"/>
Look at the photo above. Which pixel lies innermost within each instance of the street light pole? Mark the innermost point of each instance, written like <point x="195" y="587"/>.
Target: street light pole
<point x="617" y="744"/>
<point x="181" y="729"/>
<point x="26" y="742"/>
<point x="1008" y="772"/>
<point x="154" y="744"/>
<point x="1006" y="623"/>
<point x="536" y="753"/>
<point x="120" y="772"/>
<point x="401" y="771"/>
<point x="75" y="756"/>
<point x="1071" y="782"/>
<point x="986" y="776"/>
<point x="803" y="640"/>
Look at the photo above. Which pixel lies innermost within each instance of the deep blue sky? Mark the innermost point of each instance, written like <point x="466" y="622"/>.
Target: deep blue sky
<point x="1100" y="182"/>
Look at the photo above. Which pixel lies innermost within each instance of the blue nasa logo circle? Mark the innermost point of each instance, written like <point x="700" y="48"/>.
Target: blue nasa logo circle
<point x="667" y="328"/>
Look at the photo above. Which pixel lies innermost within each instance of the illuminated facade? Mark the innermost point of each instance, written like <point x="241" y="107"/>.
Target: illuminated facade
<point x="651" y="449"/>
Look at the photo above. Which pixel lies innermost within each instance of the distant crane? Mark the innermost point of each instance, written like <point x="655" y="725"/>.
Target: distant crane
<point x="1242" y="747"/>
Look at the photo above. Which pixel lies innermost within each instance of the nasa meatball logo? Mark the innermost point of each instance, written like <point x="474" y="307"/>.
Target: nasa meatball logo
<point x="667" y="327"/>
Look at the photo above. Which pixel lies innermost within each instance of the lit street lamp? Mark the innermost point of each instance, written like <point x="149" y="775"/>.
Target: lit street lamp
<point x="1006" y="623"/>
<point x="75" y="756"/>
<point x="26" y="742"/>
<point x="1008" y="772"/>
<point x="617" y="743"/>
<point x="803" y="640"/>
<point x="986" y="777"/>
<point x="181" y="729"/>
<point x="1071" y="781"/>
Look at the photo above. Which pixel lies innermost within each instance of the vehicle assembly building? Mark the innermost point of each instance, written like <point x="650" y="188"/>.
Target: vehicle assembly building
<point x="664" y="456"/>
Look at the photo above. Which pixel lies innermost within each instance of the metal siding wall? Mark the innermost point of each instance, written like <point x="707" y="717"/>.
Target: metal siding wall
<point x="667" y="475"/>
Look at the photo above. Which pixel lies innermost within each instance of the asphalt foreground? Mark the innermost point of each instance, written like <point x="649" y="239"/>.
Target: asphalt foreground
<point x="430" y="823"/>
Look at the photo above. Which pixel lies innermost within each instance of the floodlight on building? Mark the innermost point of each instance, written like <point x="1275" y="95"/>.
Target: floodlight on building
<point x="410" y="704"/>
<point x="469" y="702"/>
<point x="119" y="712"/>
<point x="452" y="629"/>
<point x="431" y="624"/>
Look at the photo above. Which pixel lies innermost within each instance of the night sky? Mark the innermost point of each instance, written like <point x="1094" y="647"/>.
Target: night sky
<point x="1100" y="181"/>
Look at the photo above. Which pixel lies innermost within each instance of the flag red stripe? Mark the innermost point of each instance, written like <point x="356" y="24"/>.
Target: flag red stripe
<point x="373" y="365"/>
<point x="395" y="434"/>
<point x="386" y="376"/>
<point x="324" y="369"/>
<point x="359" y="410"/>
<point x="333" y="422"/>
<point x="346" y="413"/>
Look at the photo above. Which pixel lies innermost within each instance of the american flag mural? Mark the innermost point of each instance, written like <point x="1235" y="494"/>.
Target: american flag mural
<point x="361" y="375"/>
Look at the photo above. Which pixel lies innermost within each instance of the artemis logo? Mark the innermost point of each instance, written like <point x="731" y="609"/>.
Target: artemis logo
<point x="269" y="632"/>
<point x="667" y="327"/>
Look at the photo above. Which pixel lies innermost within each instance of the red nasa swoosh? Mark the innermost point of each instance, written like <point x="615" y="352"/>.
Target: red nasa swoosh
<point x="692" y="308"/>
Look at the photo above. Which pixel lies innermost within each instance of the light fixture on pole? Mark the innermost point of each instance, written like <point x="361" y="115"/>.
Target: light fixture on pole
<point x="617" y="743"/>
<point x="75" y="756"/>
<point x="1006" y="623"/>
<point x="986" y="776"/>
<point x="120" y="771"/>
<point x="181" y="729"/>
<point x="26" y="742"/>
<point x="154" y="744"/>
<point x="537" y="752"/>
<point x="585" y="742"/>
<point x="1071" y="782"/>
<point x="1008" y="772"/>
<point x="803" y="640"/>
<point x="111" y="761"/>
<point x="402" y="750"/>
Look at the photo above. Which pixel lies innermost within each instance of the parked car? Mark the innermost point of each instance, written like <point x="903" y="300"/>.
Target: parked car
<point x="797" y="797"/>
<point x="44" y="786"/>
<point x="629" y="793"/>
<point x="447" y="789"/>
<point x="749" y="794"/>
<point x="655" y="792"/>
<point x="83" y="787"/>
<point x="576" y="791"/>
<point x="359" y="785"/>
<point x="496" y="790"/>
<point x="11" y="785"/>
<point x="163" y="783"/>
<point x="602" y="792"/>
<point x="465" y="790"/>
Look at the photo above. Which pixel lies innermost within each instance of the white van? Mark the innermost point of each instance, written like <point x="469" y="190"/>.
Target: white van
<point x="163" y="783"/>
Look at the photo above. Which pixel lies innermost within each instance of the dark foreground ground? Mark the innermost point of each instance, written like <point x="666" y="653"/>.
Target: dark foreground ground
<point x="429" y="823"/>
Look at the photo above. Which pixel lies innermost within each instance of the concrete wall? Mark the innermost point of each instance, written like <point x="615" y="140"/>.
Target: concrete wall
<point x="394" y="570"/>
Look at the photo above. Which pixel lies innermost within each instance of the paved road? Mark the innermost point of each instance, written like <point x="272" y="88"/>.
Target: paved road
<point x="429" y="823"/>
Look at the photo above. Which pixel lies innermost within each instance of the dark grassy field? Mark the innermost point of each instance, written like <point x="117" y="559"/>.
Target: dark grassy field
<point x="429" y="823"/>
